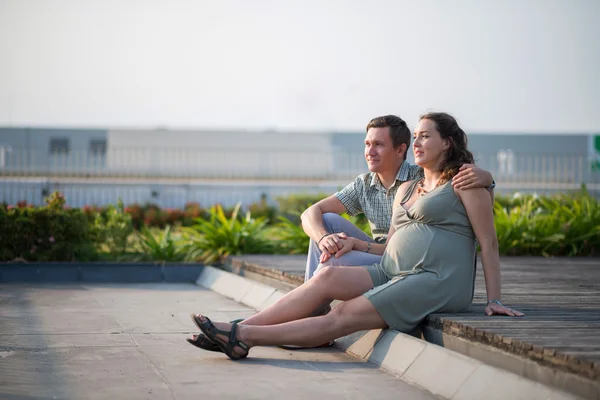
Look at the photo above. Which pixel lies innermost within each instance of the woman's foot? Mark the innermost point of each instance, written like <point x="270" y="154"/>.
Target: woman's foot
<point x="203" y="343"/>
<point x="230" y="337"/>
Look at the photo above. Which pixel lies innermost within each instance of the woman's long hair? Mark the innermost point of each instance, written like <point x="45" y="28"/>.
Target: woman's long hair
<point x="457" y="153"/>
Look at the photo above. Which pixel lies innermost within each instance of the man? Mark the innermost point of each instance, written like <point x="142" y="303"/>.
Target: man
<point x="386" y="144"/>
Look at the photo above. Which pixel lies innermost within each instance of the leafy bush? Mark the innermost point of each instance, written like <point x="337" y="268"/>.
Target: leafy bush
<point x="151" y="215"/>
<point x="221" y="236"/>
<point x="293" y="205"/>
<point x="360" y="221"/>
<point x="263" y="209"/>
<point x="111" y="229"/>
<point x="291" y="237"/>
<point x="191" y="211"/>
<point x="561" y="225"/>
<point x="162" y="247"/>
<point x="293" y="240"/>
<point x="137" y="215"/>
<point x="48" y="233"/>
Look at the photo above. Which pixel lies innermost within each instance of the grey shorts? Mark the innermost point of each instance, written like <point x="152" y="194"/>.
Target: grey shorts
<point x="404" y="301"/>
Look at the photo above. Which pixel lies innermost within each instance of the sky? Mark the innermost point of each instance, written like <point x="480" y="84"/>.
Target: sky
<point x="293" y="65"/>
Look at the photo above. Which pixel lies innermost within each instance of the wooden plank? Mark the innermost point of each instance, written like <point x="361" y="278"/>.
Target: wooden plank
<point x="560" y="296"/>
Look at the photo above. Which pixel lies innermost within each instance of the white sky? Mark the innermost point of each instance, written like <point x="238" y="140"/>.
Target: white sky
<point x="511" y="65"/>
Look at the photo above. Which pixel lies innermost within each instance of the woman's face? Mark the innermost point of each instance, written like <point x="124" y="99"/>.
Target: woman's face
<point x="428" y="146"/>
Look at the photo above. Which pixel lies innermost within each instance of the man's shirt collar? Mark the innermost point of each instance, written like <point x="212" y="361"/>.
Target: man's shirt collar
<point x="401" y="176"/>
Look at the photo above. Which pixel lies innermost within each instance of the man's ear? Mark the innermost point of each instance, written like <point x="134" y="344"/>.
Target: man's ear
<point x="401" y="150"/>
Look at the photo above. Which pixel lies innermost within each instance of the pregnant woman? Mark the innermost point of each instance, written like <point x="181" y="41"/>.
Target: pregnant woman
<point x="427" y="263"/>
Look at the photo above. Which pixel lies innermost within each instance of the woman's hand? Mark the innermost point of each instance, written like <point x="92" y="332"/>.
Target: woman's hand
<point x="330" y="244"/>
<point x="497" y="309"/>
<point x="470" y="176"/>
<point x="344" y="243"/>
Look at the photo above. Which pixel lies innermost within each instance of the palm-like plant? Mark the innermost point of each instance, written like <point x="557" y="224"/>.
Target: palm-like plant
<point x="163" y="246"/>
<point x="549" y="226"/>
<point x="291" y="236"/>
<point x="218" y="237"/>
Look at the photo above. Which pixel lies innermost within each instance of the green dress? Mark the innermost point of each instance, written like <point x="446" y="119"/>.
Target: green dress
<point x="428" y="264"/>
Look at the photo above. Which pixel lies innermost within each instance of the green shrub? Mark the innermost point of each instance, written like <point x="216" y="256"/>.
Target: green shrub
<point x="162" y="247"/>
<point x="154" y="216"/>
<point x="221" y="236"/>
<point x="293" y="240"/>
<point x="264" y="210"/>
<point x="137" y="215"/>
<point x="560" y="225"/>
<point x="291" y="236"/>
<point x="360" y="221"/>
<point x="293" y="205"/>
<point x="111" y="229"/>
<point x="48" y="233"/>
<point x="191" y="211"/>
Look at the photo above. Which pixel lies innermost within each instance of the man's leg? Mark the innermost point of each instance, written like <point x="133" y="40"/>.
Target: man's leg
<point x="335" y="223"/>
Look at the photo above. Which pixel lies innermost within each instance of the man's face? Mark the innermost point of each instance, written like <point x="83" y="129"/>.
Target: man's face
<point x="380" y="153"/>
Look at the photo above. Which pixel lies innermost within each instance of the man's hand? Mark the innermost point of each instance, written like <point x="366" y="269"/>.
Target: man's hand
<point x="469" y="176"/>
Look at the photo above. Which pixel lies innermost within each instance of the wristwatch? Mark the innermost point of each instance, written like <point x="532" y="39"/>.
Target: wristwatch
<point x="492" y="186"/>
<point x="495" y="301"/>
<point x="368" y="247"/>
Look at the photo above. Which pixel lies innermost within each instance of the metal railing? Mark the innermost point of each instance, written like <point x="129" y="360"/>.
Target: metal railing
<point x="265" y="164"/>
<point x="176" y="163"/>
<point x="172" y="177"/>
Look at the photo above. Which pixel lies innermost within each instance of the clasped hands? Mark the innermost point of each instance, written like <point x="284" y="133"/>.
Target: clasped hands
<point x="336" y="245"/>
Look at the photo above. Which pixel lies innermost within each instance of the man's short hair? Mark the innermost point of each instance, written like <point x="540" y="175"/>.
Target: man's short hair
<point x="399" y="132"/>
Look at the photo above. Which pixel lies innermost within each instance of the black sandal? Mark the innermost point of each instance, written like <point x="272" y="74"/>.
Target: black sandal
<point x="212" y="331"/>
<point x="205" y="343"/>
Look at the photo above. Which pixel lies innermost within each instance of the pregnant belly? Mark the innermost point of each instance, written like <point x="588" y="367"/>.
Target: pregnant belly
<point x="419" y="247"/>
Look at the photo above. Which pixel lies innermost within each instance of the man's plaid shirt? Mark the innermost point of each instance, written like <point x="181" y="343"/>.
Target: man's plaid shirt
<point x="367" y="195"/>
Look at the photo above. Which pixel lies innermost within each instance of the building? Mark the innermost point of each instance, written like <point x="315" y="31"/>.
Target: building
<point x="170" y="168"/>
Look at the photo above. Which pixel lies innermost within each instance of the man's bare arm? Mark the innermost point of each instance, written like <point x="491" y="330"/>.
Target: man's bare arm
<point x="312" y="217"/>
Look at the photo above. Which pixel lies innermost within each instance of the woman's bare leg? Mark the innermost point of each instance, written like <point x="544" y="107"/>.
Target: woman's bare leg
<point x="349" y="317"/>
<point x="331" y="283"/>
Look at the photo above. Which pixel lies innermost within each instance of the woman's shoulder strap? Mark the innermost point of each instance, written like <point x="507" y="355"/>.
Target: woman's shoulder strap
<point x="409" y="191"/>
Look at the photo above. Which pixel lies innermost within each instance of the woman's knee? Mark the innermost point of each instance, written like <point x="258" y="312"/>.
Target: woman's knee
<point x="341" y="316"/>
<point x="356" y="314"/>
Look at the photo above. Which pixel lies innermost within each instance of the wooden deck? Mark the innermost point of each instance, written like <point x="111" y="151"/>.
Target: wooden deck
<point x="560" y="297"/>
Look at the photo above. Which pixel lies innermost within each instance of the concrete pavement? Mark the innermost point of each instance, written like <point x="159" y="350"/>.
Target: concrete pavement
<point x="126" y="341"/>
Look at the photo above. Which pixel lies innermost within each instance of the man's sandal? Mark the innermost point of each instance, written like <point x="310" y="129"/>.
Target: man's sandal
<point x="228" y="348"/>
<point x="205" y="343"/>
